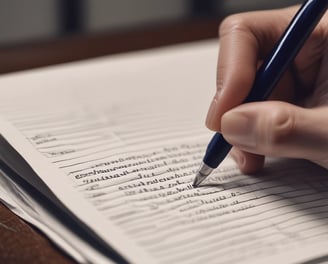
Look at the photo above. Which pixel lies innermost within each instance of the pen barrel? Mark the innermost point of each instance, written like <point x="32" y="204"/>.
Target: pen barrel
<point x="287" y="48"/>
<point x="216" y="151"/>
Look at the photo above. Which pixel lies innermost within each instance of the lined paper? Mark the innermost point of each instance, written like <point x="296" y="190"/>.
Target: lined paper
<point x="128" y="141"/>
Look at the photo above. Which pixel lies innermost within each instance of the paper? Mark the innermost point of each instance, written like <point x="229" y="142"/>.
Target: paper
<point x="28" y="209"/>
<point x="118" y="141"/>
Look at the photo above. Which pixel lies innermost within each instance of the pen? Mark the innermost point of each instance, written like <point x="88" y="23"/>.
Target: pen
<point x="268" y="75"/>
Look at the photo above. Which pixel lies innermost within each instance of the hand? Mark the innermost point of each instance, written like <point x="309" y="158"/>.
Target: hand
<point x="294" y="122"/>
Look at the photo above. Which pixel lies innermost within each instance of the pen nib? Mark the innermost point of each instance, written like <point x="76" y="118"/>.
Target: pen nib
<point x="202" y="174"/>
<point x="198" y="179"/>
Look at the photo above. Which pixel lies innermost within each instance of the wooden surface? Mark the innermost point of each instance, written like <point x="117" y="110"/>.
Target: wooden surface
<point x="19" y="242"/>
<point x="83" y="46"/>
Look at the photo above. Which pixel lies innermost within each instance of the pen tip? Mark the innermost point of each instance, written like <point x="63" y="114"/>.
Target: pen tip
<point x="198" y="180"/>
<point x="202" y="174"/>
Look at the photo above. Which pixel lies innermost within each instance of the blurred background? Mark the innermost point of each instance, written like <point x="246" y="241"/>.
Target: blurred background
<point x="41" y="32"/>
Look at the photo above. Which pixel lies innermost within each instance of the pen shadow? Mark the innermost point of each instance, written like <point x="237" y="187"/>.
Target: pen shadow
<point x="301" y="186"/>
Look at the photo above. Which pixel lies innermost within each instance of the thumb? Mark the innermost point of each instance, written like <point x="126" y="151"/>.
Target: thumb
<point x="279" y="129"/>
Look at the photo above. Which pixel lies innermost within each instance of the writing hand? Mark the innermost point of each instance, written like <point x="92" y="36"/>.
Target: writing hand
<point x="294" y="122"/>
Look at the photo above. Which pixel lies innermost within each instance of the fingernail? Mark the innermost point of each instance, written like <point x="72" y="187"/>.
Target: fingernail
<point x="238" y="128"/>
<point x="212" y="121"/>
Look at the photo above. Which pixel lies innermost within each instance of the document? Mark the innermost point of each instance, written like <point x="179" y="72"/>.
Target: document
<point x="117" y="141"/>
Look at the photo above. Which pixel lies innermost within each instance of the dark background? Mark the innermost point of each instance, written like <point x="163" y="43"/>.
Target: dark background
<point x="41" y="32"/>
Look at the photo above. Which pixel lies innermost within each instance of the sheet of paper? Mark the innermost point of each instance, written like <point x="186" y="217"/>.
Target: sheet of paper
<point x="28" y="209"/>
<point x="119" y="139"/>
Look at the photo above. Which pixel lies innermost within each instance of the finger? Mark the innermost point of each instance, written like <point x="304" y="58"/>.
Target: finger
<point x="309" y="60"/>
<point x="279" y="129"/>
<point x="248" y="163"/>
<point x="244" y="40"/>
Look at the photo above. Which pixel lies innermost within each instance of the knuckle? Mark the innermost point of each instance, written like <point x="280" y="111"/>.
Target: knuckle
<point x="281" y="127"/>
<point x="232" y="23"/>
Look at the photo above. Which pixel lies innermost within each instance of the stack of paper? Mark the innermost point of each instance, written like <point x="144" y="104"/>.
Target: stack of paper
<point x="101" y="155"/>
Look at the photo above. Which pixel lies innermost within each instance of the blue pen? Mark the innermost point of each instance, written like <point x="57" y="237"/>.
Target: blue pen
<point x="268" y="75"/>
